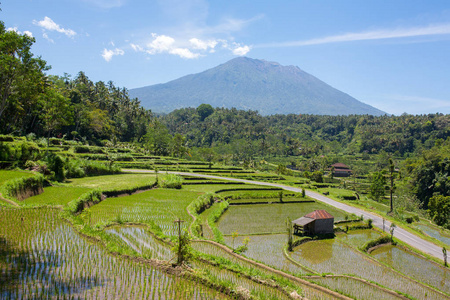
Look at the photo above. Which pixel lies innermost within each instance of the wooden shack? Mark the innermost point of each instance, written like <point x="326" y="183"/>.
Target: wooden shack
<point x="340" y="170"/>
<point x="316" y="222"/>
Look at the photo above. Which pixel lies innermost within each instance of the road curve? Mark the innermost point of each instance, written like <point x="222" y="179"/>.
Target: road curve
<point x="399" y="233"/>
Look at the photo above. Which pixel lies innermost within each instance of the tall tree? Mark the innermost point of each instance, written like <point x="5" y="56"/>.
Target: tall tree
<point x="20" y="72"/>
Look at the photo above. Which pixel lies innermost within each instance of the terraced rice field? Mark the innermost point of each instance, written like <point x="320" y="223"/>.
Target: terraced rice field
<point x="268" y="218"/>
<point x="161" y="206"/>
<point x="142" y="241"/>
<point x="268" y="249"/>
<point x="55" y="195"/>
<point x="41" y="257"/>
<point x="359" y="237"/>
<point x="9" y="175"/>
<point x="435" y="233"/>
<point x="331" y="256"/>
<point x="407" y="262"/>
<point x="354" y="288"/>
<point x="116" y="182"/>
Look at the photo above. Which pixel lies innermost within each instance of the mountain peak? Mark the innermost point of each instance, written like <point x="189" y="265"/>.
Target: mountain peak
<point x="247" y="83"/>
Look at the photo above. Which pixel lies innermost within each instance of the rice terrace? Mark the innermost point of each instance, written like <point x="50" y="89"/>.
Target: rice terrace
<point x="194" y="170"/>
<point x="160" y="234"/>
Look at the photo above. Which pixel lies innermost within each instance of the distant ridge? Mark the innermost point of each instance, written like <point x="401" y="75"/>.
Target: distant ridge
<point x="246" y="83"/>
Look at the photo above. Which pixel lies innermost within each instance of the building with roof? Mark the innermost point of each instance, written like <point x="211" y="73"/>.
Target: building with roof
<point x="316" y="222"/>
<point x="340" y="170"/>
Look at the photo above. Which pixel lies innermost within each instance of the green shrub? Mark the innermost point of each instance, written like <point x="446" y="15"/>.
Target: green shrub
<point x="170" y="181"/>
<point x="381" y="240"/>
<point x="85" y="200"/>
<point x="95" y="168"/>
<point x="214" y="216"/>
<point x="56" y="164"/>
<point x="21" y="187"/>
<point x="6" y="138"/>
<point x="201" y="203"/>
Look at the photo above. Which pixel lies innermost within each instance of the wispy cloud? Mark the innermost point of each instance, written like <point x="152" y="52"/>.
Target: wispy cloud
<point x="49" y="24"/>
<point x="188" y="49"/>
<point x="108" y="54"/>
<point x="430" y="30"/>
<point x="15" y="29"/>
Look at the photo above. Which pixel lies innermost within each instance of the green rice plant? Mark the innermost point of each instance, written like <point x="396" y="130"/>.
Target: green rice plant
<point x="57" y="195"/>
<point x="9" y="175"/>
<point x="170" y="181"/>
<point x="157" y="206"/>
<point x="45" y="259"/>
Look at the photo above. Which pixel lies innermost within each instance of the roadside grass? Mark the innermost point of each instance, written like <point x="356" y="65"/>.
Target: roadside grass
<point x="113" y="182"/>
<point x="6" y="175"/>
<point x="57" y="195"/>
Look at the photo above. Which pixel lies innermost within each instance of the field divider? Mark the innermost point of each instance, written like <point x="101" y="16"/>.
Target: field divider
<point x="365" y="281"/>
<point x="277" y="272"/>
<point x="8" y="201"/>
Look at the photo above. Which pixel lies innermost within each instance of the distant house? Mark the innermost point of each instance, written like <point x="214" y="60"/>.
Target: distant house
<point x="340" y="170"/>
<point x="317" y="222"/>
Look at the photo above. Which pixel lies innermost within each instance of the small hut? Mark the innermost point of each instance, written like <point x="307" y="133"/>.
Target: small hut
<point x="316" y="222"/>
<point x="341" y="170"/>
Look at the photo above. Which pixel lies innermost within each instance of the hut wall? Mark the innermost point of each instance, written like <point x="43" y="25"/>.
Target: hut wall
<point x="322" y="226"/>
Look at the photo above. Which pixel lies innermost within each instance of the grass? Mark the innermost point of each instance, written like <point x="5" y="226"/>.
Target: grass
<point x="57" y="195"/>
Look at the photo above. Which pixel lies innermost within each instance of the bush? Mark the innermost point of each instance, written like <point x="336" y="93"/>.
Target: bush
<point x="381" y="240"/>
<point x="6" y="138"/>
<point x="86" y="200"/>
<point x="22" y="188"/>
<point x="214" y="216"/>
<point x="170" y="181"/>
<point x="56" y="164"/>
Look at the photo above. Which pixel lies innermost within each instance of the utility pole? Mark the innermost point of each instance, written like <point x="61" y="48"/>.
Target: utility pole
<point x="180" y="246"/>
<point x="391" y="170"/>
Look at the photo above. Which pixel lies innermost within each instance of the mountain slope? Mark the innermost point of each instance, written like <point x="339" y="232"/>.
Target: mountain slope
<point x="246" y="83"/>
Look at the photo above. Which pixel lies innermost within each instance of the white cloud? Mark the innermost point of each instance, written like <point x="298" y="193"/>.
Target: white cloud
<point x="241" y="50"/>
<point x="47" y="37"/>
<point x="161" y="43"/>
<point x="202" y="45"/>
<point x="15" y="29"/>
<point x="440" y="29"/>
<point x="49" y="24"/>
<point x="189" y="49"/>
<point x="184" y="53"/>
<point x="108" y="54"/>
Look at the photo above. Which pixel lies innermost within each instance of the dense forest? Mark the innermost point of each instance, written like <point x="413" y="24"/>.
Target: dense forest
<point x="35" y="103"/>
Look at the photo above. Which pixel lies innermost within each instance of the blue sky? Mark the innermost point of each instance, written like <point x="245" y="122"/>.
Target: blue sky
<point x="394" y="55"/>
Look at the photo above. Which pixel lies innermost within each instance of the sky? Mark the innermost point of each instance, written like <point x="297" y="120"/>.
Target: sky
<point x="393" y="55"/>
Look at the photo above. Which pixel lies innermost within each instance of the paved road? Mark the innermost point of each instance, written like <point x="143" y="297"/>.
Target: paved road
<point x="399" y="233"/>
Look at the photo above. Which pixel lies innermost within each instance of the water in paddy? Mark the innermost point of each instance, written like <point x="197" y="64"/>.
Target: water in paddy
<point x="434" y="233"/>
<point x="142" y="241"/>
<point x="267" y="249"/>
<point x="41" y="257"/>
<point x="359" y="237"/>
<point x="415" y="266"/>
<point x="332" y="256"/>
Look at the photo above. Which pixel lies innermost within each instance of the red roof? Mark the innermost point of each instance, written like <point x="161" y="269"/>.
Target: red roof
<point x="319" y="214"/>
